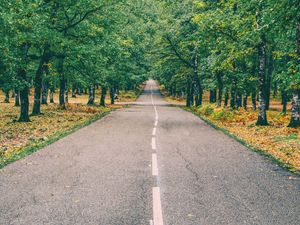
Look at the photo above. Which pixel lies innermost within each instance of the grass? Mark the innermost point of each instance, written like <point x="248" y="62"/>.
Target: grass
<point x="21" y="139"/>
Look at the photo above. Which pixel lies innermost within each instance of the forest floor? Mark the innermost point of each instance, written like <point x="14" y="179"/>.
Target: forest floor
<point x="276" y="140"/>
<point x="20" y="139"/>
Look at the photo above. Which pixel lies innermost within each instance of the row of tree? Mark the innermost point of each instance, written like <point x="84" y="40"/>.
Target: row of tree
<point x="234" y="49"/>
<point x="47" y="45"/>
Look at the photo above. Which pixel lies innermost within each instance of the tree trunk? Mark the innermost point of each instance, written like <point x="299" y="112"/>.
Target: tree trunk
<point x="24" y="97"/>
<point x="103" y="95"/>
<point x="6" y="100"/>
<point x="261" y="49"/>
<point x="226" y="98"/>
<point x="220" y="88"/>
<point x="112" y="95"/>
<point x="73" y="91"/>
<point x="233" y="95"/>
<point x="17" y="98"/>
<point x="52" y="94"/>
<point x="44" y="92"/>
<point x="253" y="98"/>
<point x="262" y="113"/>
<point x="62" y="86"/>
<point x="91" y="100"/>
<point x="212" y="96"/>
<point x="245" y="101"/>
<point x="38" y="89"/>
<point x="284" y="101"/>
<point x="295" y="121"/>
<point x="269" y="80"/>
<point x="66" y="92"/>
<point x="239" y="99"/>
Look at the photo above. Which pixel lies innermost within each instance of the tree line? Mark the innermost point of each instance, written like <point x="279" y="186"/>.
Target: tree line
<point x="234" y="49"/>
<point x="70" y="46"/>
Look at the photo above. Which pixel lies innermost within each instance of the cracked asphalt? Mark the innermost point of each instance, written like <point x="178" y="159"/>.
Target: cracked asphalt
<point x="101" y="174"/>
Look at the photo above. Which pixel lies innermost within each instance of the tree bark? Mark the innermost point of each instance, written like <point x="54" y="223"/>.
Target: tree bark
<point x="233" y="95"/>
<point x="24" y="97"/>
<point x="261" y="49"/>
<point x="17" y="98"/>
<point x="73" y="91"/>
<point x="220" y="88"/>
<point x="6" y="100"/>
<point x="269" y="79"/>
<point x="62" y="83"/>
<point x="52" y="94"/>
<point x="103" y="95"/>
<point x="91" y="100"/>
<point x="44" y="93"/>
<point x="112" y="95"/>
<point x="245" y="101"/>
<point x="284" y="101"/>
<point x="295" y="121"/>
<point x="253" y="98"/>
<point x="226" y="98"/>
<point x="38" y="89"/>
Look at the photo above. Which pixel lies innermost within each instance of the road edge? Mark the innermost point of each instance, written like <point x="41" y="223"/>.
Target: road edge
<point x="244" y="143"/>
<point x="34" y="147"/>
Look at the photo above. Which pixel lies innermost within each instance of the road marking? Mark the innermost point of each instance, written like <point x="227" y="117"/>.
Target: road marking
<point x="156" y="122"/>
<point x="154" y="165"/>
<point x="153" y="143"/>
<point x="151" y="222"/>
<point x="154" y="131"/>
<point x="157" y="212"/>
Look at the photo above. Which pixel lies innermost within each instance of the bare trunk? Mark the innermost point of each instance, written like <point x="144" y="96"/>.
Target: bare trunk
<point x="262" y="113"/>
<point x="220" y="89"/>
<point x="6" y="100"/>
<point x="103" y="95"/>
<point x="52" y="90"/>
<point x="38" y="89"/>
<point x="295" y="120"/>
<point x="284" y="101"/>
<point x="112" y="95"/>
<point x="24" y="93"/>
<point x="44" y="93"/>
<point x="17" y="98"/>
<point x="226" y="98"/>
<point x="91" y="100"/>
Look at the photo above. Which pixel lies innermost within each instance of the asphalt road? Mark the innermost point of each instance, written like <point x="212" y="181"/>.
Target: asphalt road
<point x="150" y="163"/>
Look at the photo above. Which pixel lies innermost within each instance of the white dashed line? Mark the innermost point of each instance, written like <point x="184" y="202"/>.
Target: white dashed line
<point x="157" y="212"/>
<point x="154" y="165"/>
<point x="154" y="131"/>
<point x="153" y="143"/>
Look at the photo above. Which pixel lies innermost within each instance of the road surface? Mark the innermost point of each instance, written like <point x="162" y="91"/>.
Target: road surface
<point x="150" y="163"/>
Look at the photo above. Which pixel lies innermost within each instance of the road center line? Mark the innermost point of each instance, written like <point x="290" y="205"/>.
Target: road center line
<point x="154" y="131"/>
<point x="154" y="165"/>
<point x="153" y="143"/>
<point x="157" y="212"/>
